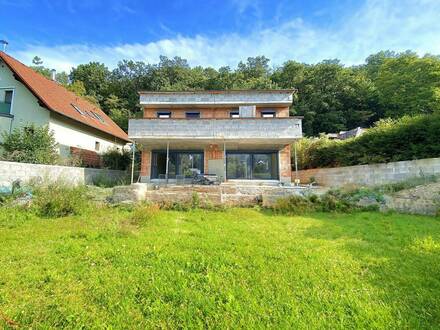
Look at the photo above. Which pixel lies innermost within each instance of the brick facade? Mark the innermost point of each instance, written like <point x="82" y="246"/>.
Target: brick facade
<point x="210" y="113"/>
<point x="212" y="152"/>
<point x="285" y="164"/>
<point x="145" y="163"/>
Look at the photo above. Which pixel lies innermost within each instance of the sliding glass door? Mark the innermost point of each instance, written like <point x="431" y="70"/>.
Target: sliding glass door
<point x="252" y="165"/>
<point x="181" y="163"/>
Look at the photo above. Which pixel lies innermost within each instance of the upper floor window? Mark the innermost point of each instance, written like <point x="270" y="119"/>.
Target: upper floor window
<point x="8" y="97"/>
<point x="164" y="114"/>
<point x="268" y="113"/>
<point x="192" y="114"/>
<point x="5" y="104"/>
<point x="97" y="145"/>
<point x="234" y="114"/>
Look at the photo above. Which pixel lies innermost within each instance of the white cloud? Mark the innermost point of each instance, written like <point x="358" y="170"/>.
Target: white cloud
<point x="377" y="25"/>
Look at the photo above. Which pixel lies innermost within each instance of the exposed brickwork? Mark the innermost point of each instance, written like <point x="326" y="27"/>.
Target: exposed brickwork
<point x="285" y="164"/>
<point x="145" y="163"/>
<point x="212" y="112"/>
<point x="89" y="158"/>
<point x="212" y="151"/>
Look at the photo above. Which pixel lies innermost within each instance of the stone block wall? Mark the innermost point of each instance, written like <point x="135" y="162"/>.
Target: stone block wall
<point x="11" y="171"/>
<point x="373" y="174"/>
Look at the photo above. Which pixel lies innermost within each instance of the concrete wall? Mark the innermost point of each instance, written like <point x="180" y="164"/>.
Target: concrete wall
<point x="248" y="97"/>
<point x="371" y="175"/>
<point x="244" y="128"/>
<point x="10" y="171"/>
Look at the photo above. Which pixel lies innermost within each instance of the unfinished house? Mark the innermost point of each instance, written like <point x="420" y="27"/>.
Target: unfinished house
<point x="234" y="135"/>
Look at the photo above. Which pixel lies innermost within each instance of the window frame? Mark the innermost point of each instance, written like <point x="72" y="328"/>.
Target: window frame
<point x="268" y="113"/>
<point x="11" y="105"/>
<point x="234" y="114"/>
<point x="160" y="114"/>
<point x="12" y="96"/>
<point x="188" y="114"/>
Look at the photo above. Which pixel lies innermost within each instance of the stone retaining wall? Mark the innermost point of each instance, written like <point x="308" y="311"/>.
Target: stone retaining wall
<point x="371" y="175"/>
<point x="11" y="171"/>
<point x="227" y="195"/>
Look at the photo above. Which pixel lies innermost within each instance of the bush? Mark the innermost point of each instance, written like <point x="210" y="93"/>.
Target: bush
<point x="58" y="200"/>
<point x="115" y="159"/>
<point x="144" y="214"/>
<point x="106" y="181"/>
<point x="333" y="201"/>
<point x="294" y="205"/>
<point x="389" y="140"/>
<point x="30" y="144"/>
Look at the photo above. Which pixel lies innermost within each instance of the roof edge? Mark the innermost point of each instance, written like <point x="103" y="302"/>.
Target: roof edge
<point x="221" y="91"/>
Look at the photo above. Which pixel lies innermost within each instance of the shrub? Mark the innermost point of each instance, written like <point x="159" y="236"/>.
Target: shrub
<point x="335" y="201"/>
<point x="389" y="140"/>
<point x="332" y="201"/>
<point x="106" y="181"/>
<point x="294" y="205"/>
<point x="115" y="159"/>
<point x="195" y="200"/>
<point x="30" y="144"/>
<point x="58" y="200"/>
<point x="143" y="214"/>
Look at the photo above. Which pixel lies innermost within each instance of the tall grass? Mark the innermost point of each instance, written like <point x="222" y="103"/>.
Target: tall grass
<point x="59" y="200"/>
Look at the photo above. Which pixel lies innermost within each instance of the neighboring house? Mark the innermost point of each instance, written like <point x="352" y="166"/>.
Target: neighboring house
<point x="79" y="127"/>
<point x="343" y="135"/>
<point x="244" y="134"/>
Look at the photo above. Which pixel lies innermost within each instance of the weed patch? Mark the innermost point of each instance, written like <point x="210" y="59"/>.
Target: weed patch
<point x="58" y="200"/>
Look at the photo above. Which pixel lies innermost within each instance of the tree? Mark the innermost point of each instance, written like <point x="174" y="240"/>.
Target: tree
<point x="95" y="77"/>
<point x="330" y="97"/>
<point x="37" y="61"/>
<point x="118" y="111"/>
<point x="30" y="144"/>
<point x="409" y="85"/>
<point x="79" y="89"/>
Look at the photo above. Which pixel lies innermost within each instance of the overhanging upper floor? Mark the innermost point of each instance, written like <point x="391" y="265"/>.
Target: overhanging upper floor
<point x="276" y="131"/>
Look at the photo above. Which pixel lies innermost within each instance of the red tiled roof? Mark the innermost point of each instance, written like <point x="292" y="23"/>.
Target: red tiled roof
<point x="58" y="99"/>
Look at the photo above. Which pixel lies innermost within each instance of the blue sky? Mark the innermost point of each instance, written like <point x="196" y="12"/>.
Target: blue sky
<point x="216" y="33"/>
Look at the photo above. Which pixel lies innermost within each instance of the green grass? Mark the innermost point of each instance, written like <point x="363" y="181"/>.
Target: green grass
<point x="241" y="268"/>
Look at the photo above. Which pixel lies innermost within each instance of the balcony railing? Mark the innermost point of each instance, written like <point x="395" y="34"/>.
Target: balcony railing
<point x="226" y="129"/>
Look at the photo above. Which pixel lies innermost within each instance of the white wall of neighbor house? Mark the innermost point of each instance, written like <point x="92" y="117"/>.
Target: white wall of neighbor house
<point x="24" y="107"/>
<point x="70" y="133"/>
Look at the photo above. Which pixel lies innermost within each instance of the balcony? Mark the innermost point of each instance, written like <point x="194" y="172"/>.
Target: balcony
<point x="244" y="130"/>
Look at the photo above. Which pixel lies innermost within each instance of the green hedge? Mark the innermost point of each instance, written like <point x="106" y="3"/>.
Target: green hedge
<point x="389" y="140"/>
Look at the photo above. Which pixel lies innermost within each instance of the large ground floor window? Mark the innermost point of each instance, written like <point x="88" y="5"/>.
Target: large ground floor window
<point x="252" y="165"/>
<point x="181" y="163"/>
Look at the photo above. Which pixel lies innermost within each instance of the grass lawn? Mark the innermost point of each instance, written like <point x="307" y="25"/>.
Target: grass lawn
<point x="239" y="268"/>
